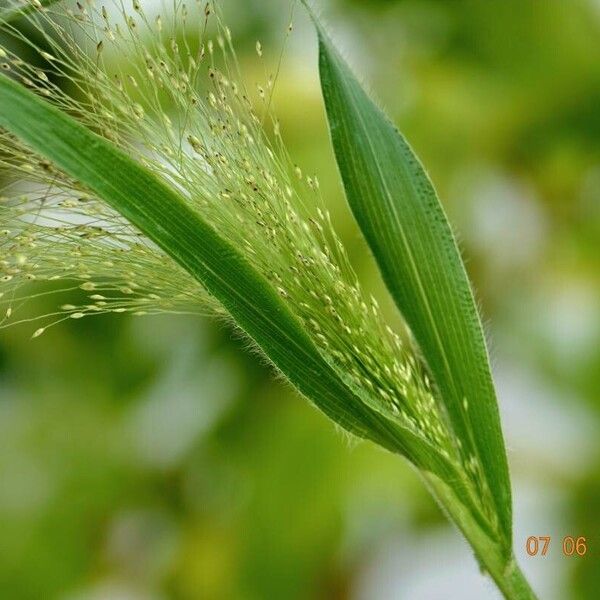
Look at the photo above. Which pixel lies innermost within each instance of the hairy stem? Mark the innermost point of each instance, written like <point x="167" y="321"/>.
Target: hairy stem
<point x="493" y="557"/>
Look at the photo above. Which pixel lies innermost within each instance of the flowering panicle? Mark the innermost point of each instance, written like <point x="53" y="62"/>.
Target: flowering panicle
<point x="166" y="88"/>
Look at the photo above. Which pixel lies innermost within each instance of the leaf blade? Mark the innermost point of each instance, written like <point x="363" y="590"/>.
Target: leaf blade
<point x="406" y="228"/>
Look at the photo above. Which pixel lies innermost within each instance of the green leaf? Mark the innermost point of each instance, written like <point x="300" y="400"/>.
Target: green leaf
<point x="161" y="214"/>
<point x="406" y="228"/>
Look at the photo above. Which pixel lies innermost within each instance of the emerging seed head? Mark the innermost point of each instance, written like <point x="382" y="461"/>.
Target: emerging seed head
<point x="186" y="113"/>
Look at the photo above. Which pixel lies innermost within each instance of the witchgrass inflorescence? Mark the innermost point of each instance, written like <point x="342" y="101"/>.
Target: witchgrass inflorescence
<point x="165" y="89"/>
<point x="186" y="113"/>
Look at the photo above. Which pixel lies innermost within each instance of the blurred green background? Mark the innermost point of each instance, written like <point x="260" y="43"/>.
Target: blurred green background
<point x="155" y="458"/>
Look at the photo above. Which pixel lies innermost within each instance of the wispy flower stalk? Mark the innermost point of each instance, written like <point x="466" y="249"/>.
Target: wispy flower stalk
<point x="182" y="109"/>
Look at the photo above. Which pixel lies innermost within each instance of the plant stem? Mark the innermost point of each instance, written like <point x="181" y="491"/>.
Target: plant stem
<point x="491" y="554"/>
<point x="512" y="582"/>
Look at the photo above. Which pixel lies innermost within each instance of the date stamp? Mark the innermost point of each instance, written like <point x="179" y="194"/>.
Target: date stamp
<point x="539" y="545"/>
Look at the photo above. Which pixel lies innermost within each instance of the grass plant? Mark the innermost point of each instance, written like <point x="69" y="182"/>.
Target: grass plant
<point x="140" y="170"/>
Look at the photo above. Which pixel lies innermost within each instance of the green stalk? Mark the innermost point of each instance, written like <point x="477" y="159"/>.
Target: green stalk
<point x="490" y="555"/>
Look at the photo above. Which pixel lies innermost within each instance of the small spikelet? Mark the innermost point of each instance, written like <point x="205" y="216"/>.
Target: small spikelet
<point x="183" y="109"/>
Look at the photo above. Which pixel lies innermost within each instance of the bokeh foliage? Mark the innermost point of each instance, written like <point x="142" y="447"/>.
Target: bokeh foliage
<point x="116" y="476"/>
